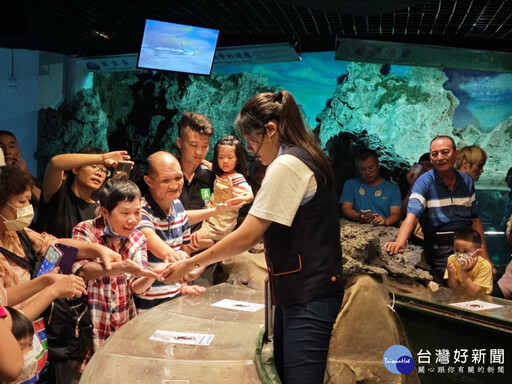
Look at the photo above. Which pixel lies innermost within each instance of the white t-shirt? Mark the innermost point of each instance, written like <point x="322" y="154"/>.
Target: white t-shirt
<point x="288" y="184"/>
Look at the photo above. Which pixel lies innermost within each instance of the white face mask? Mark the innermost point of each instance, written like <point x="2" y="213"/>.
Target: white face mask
<point x="464" y="258"/>
<point x="23" y="218"/>
<point x="29" y="367"/>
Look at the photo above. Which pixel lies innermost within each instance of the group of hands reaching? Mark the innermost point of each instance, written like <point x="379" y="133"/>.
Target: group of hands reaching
<point x="73" y="286"/>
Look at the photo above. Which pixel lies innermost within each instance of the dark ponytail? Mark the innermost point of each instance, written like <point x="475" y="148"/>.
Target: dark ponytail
<point x="281" y="108"/>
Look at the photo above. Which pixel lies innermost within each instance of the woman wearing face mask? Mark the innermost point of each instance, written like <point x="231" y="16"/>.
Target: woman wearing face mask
<point x="67" y="201"/>
<point x="21" y="248"/>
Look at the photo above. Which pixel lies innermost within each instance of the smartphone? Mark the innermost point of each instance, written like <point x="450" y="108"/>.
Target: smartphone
<point x="123" y="169"/>
<point x="50" y="261"/>
<point x="68" y="257"/>
<point x="366" y="213"/>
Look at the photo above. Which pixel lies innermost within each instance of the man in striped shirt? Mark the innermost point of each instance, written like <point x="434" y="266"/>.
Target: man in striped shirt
<point x="165" y="225"/>
<point x="443" y="201"/>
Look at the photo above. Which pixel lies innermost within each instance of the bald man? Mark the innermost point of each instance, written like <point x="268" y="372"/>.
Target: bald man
<point x="165" y="225"/>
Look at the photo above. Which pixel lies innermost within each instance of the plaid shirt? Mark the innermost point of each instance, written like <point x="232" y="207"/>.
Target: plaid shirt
<point x="110" y="298"/>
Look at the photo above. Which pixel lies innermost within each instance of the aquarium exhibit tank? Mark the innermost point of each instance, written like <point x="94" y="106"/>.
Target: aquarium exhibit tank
<point x="395" y="110"/>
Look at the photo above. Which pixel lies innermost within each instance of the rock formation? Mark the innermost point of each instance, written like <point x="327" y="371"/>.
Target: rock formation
<point x="364" y="253"/>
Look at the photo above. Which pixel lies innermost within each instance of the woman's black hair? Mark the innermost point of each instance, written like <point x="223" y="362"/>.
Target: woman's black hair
<point x="22" y="327"/>
<point x="281" y="108"/>
<point x="241" y="166"/>
<point x="116" y="190"/>
<point x="13" y="181"/>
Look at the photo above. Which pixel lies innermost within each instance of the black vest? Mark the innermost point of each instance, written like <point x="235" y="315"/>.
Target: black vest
<point x="304" y="260"/>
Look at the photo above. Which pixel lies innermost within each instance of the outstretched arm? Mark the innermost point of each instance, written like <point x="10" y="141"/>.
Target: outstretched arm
<point x="408" y="225"/>
<point x="65" y="286"/>
<point x="242" y="239"/>
<point x="54" y="174"/>
<point x="198" y="215"/>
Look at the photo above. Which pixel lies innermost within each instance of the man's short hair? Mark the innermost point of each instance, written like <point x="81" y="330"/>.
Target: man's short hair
<point x="444" y="137"/>
<point x="116" y="190"/>
<point x="8" y="133"/>
<point x="196" y="122"/>
<point x="469" y="234"/>
<point x="364" y="154"/>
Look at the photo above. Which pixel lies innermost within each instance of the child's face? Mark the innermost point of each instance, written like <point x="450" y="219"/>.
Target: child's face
<point x="227" y="158"/>
<point x="464" y="250"/>
<point x="26" y="344"/>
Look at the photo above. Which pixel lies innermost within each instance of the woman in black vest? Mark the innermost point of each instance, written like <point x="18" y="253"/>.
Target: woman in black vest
<point x="296" y="213"/>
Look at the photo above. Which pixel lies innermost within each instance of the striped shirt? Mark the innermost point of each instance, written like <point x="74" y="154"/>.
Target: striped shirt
<point x="438" y="208"/>
<point x="174" y="230"/>
<point x="110" y="298"/>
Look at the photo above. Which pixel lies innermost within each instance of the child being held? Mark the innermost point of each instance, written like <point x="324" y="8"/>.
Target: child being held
<point x="230" y="184"/>
<point x="467" y="270"/>
<point x="23" y="332"/>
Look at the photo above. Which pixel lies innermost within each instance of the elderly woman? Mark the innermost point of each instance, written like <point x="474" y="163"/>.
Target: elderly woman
<point x="471" y="160"/>
<point x="110" y="293"/>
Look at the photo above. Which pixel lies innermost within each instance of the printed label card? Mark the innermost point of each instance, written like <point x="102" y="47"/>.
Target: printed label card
<point x="476" y="305"/>
<point x="181" y="337"/>
<point x="238" y="305"/>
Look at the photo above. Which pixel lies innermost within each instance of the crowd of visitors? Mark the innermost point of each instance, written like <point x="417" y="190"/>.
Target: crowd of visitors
<point x="133" y="252"/>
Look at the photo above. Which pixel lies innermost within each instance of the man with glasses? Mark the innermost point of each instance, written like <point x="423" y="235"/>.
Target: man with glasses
<point x="369" y="198"/>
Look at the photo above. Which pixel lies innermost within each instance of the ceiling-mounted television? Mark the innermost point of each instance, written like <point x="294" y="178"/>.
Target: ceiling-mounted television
<point x="177" y="47"/>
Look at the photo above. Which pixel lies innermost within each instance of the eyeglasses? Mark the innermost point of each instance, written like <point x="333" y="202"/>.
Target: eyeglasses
<point x="371" y="168"/>
<point x="96" y="168"/>
<point x="252" y="143"/>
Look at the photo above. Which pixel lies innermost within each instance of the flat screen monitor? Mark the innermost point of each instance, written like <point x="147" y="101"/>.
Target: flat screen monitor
<point x="177" y="47"/>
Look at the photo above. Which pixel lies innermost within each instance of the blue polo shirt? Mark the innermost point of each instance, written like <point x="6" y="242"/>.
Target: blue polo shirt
<point x="438" y="208"/>
<point x="379" y="198"/>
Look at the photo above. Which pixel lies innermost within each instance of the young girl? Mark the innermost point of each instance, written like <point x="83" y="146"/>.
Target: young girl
<point x="230" y="184"/>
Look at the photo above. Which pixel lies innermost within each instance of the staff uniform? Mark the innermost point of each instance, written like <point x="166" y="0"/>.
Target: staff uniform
<point x="304" y="261"/>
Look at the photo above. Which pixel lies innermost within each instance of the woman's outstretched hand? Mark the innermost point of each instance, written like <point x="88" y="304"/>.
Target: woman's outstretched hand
<point x="176" y="271"/>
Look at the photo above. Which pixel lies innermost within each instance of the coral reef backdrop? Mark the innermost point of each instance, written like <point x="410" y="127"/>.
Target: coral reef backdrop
<point x="397" y="114"/>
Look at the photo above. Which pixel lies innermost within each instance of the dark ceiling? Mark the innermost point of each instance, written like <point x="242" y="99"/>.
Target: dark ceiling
<point x="100" y="27"/>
